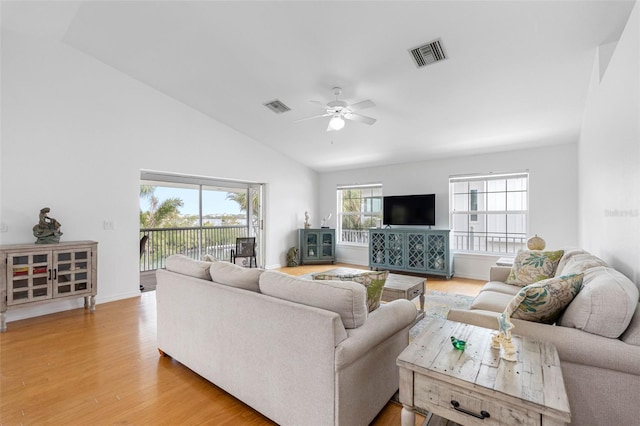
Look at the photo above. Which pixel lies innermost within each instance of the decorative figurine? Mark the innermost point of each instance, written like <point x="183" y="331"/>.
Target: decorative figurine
<point x="325" y="221"/>
<point x="47" y="231"/>
<point x="458" y="344"/>
<point x="307" y="225"/>
<point x="292" y="256"/>
<point x="502" y="340"/>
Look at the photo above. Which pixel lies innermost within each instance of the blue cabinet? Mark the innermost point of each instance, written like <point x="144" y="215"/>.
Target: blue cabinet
<point x="317" y="246"/>
<point x="411" y="250"/>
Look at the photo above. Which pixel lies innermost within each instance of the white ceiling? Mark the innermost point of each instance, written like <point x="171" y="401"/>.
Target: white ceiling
<point x="517" y="73"/>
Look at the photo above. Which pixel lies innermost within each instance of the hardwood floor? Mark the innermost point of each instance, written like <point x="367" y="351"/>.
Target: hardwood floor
<point x="76" y="368"/>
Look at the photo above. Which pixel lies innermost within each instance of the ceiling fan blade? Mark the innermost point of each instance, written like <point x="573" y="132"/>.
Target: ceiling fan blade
<point x="362" y="105"/>
<point x="320" y="104"/>
<point x="311" y="118"/>
<point x="359" y="118"/>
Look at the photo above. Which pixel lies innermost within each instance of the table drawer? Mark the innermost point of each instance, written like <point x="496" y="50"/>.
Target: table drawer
<point x="414" y="292"/>
<point x="437" y="397"/>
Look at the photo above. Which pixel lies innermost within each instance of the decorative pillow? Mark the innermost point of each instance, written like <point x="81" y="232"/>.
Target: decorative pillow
<point x="373" y="281"/>
<point x="209" y="258"/>
<point x="347" y="299"/>
<point x="604" y="306"/>
<point x="236" y="276"/>
<point x="544" y="300"/>
<point x="187" y="266"/>
<point x="532" y="266"/>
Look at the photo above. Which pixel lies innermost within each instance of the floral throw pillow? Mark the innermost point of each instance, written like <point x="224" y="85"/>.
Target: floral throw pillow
<point x="545" y="300"/>
<point x="373" y="281"/>
<point x="532" y="266"/>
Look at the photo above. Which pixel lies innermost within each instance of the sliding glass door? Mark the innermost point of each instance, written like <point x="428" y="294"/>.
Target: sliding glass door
<point x="196" y="216"/>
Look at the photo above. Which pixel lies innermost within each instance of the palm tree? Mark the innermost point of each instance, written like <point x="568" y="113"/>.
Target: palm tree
<point x="241" y="199"/>
<point x="160" y="214"/>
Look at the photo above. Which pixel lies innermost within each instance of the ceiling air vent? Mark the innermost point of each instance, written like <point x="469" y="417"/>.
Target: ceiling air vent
<point x="428" y="53"/>
<point x="277" y="107"/>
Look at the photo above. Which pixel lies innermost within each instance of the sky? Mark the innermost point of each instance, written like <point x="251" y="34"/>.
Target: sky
<point x="213" y="202"/>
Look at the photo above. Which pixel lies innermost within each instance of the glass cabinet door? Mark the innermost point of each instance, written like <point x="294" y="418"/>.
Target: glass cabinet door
<point x="72" y="272"/>
<point x="28" y="277"/>
<point x="312" y="245"/>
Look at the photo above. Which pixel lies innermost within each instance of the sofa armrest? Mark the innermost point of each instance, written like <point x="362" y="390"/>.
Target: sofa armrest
<point x="573" y="345"/>
<point x="386" y="321"/>
<point x="499" y="273"/>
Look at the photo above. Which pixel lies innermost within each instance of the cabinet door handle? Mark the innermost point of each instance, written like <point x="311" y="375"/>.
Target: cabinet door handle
<point x="49" y="274"/>
<point x="55" y="274"/>
<point x="482" y="415"/>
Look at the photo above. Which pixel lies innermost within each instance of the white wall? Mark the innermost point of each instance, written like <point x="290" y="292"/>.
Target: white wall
<point x="609" y="157"/>
<point x="75" y="135"/>
<point x="552" y="196"/>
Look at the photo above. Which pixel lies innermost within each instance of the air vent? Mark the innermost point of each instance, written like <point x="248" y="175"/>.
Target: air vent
<point x="277" y="107"/>
<point x="428" y="54"/>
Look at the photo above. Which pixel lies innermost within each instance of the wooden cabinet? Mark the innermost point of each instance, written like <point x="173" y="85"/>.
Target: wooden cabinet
<point x="40" y="273"/>
<point x="411" y="250"/>
<point x="317" y="246"/>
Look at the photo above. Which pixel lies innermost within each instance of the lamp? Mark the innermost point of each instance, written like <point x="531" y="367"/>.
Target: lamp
<point x="336" y="122"/>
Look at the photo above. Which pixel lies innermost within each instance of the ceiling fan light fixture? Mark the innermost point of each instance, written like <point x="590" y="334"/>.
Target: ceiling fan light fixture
<point x="336" y="122"/>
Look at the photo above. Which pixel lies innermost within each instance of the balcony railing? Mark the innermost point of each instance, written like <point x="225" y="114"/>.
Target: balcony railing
<point x="194" y="242"/>
<point x="354" y="236"/>
<point x="482" y="242"/>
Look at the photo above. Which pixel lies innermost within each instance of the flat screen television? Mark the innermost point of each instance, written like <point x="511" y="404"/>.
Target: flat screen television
<point x="409" y="210"/>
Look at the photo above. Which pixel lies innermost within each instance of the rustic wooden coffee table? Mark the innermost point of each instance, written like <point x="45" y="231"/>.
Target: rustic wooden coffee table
<point x="476" y="386"/>
<point x="396" y="287"/>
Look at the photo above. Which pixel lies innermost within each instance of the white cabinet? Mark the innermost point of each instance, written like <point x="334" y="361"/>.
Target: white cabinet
<point x="40" y="273"/>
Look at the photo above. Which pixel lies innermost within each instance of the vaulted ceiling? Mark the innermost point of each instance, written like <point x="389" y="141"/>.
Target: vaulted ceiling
<point x="516" y="75"/>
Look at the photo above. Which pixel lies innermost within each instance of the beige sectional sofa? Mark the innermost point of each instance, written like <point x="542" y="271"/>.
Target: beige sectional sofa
<point x="597" y="337"/>
<point x="298" y="351"/>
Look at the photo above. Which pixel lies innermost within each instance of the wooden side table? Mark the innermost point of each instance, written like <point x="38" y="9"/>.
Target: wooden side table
<point x="476" y="386"/>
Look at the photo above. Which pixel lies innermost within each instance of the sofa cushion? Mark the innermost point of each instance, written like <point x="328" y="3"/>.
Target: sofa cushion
<point x="346" y="298"/>
<point x="605" y="305"/>
<point x="498" y="287"/>
<point x="632" y="333"/>
<point x="531" y="266"/>
<point x="236" y="276"/>
<point x="581" y="262"/>
<point x="491" y="301"/>
<point x="544" y="300"/>
<point x="373" y="281"/>
<point x="569" y="252"/>
<point x="187" y="266"/>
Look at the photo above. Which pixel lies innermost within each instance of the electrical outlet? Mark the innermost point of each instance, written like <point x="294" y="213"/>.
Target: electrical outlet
<point x="109" y="225"/>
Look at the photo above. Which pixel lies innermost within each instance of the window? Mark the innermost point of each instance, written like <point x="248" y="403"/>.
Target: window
<point x="489" y="213"/>
<point x="195" y="216"/>
<point x="359" y="208"/>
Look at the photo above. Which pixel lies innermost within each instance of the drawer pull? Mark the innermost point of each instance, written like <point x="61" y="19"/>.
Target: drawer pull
<point x="456" y="406"/>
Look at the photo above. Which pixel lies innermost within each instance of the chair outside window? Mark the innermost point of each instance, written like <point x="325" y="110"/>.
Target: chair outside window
<point x="245" y="248"/>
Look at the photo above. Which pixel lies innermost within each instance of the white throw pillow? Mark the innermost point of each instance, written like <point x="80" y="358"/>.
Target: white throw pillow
<point x="187" y="266"/>
<point x="236" y="276"/>
<point x="346" y="298"/>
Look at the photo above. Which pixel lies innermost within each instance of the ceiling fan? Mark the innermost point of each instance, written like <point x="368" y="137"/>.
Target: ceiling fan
<point x="340" y="110"/>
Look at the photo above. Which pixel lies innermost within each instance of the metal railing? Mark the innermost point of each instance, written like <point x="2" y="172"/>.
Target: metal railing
<point x="355" y="236"/>
<point x="194" y="242"/>
<point x="482" y="242"/>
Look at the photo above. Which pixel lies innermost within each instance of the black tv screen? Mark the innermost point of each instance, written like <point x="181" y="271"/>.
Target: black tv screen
<point x="409" y="210"/>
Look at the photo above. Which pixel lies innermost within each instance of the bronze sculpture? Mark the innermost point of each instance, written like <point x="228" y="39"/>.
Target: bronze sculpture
<point x="47" y="231"/>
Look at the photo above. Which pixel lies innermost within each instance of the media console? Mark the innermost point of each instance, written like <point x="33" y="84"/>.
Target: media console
<point x="412" y="250"/>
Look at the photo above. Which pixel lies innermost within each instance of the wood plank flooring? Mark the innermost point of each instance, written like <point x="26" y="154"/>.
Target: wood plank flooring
<point x="76" y="368"/>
